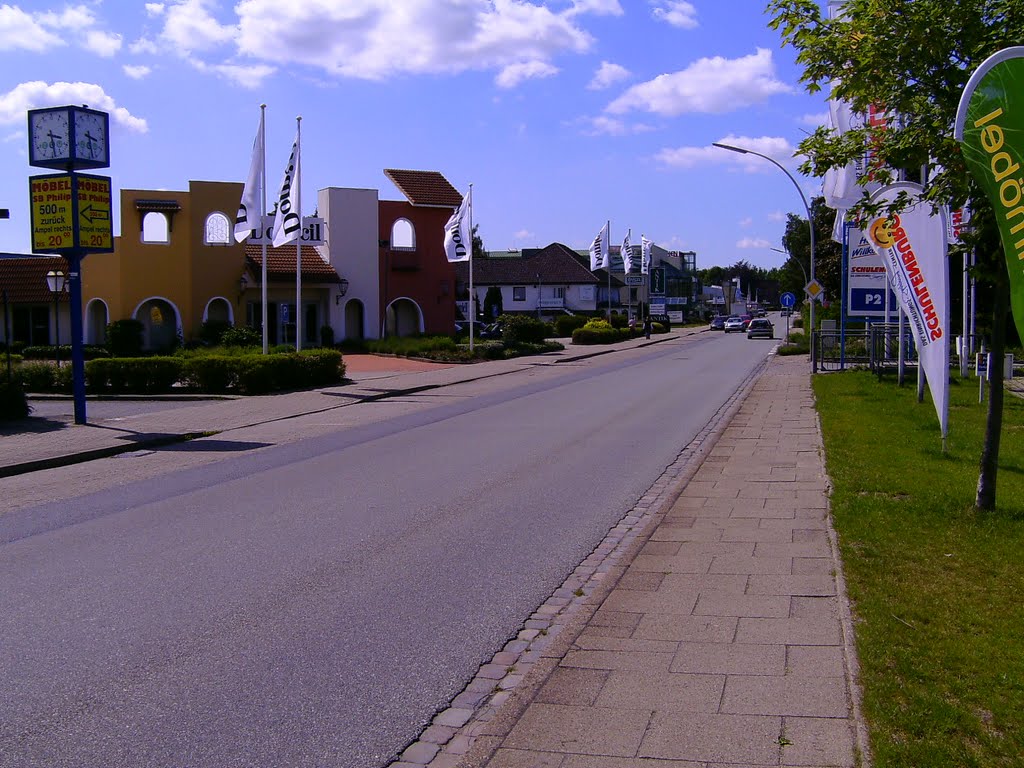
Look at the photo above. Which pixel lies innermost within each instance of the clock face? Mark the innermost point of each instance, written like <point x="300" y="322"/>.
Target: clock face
<point x="91" y="136"/>
<point x="50" y="135"/>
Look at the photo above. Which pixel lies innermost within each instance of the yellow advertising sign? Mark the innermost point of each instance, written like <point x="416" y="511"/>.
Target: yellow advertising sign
<point x="71" y="212"/>
<point x="95" y="230"/>
<point x="52" y="222"/>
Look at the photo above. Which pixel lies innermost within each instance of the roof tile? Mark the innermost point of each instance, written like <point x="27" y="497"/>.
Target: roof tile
<point x="24" y="277"/>
<point x="427" y="188"/>
<point x="281" y="264"/>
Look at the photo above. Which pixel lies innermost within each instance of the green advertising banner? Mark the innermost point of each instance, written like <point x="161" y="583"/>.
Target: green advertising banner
<point x="990" y="125"/>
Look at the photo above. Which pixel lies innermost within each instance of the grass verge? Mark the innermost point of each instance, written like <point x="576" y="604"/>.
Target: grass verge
<point x="936" y="586"/>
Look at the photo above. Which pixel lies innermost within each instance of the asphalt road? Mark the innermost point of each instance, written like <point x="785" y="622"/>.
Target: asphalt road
<point x="315" y="602"/>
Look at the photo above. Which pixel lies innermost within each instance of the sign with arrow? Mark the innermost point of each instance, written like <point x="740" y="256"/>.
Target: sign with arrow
<point x="95" y="228"/>
<point x="71" y="211"/>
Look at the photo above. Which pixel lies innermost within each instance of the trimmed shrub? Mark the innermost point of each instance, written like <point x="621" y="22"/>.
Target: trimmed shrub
<point x="137" y="375"/>
<point x="49" y="352"/>
<point x="566" y="324"/>
<point x="124" y="338"/>
<point x="36" y="376"/>
<point x="211" y="332"/>
<point x="13" y="403"/>
<point x="658" y="328"/>
<point x="599" y="332"/>
<point x="522" y="329"/>
<point x="215" y="374"/>
<point x="619" y="321"/>
<point x="326" y="336"/>
<point x="242" y="336"/>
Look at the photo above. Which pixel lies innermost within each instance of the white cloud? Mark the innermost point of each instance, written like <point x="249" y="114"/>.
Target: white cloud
<point x="608" y="74"/>
<point x="32" y="95"/>
<point x="103" y="44"/>
<point x="598" y="7"/>
<point x="72" y="17"/>
<point x="514" y="74"/>
<point x="753" y="242"/>
<point x="144" y="45"/>
<point x="774" y="147"/>
<point x="20" y="31"/>
<point x="777" y="216"/>
<point x="746" y="222"/>
<point x="678" y="13"/>
<point x="612" y="126"/>
<point x="189" y="26"/>
<point x="375" y="39"/>
<point x="154" y="9"/>
<point x="712" y="85"/>
<point x="820" y="118"/>
<point x="523" y="234"/>
<point x="136" y="72"/>
<point x="250" y="76"/>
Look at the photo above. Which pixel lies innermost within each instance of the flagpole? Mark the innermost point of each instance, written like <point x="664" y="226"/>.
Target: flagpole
<point x="298" y="241"/>
<point x="608" y="266"/>
<point x="472" y="303"/>
<point x="263" y="229"/>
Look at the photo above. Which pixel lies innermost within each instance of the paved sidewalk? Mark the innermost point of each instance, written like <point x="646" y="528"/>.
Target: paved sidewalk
<point x="726" y="641"/>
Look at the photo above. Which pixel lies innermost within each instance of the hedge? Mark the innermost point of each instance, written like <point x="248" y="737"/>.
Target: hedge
<point x="49" y="352"/>
<point x="600" y="332"/>
<point x="13" y="404"/>
<point x="566" y="324"/>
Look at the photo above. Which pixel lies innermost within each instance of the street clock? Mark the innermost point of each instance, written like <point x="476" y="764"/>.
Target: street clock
<point x="68" y="138"/>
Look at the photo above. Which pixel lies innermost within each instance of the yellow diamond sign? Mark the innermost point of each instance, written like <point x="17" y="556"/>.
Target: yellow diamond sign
<point x="814" y="290"/>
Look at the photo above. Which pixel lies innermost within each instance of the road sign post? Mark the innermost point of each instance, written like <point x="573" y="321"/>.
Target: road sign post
<point x="71" y="211"/>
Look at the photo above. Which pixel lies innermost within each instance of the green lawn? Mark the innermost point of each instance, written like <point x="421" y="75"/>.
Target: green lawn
<point x="937" y="588"/>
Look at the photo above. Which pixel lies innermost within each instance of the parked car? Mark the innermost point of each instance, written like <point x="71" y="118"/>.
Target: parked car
<point x="717" y="323"/>
<point x="733" y="323"/>
<point x="760" y="328"/>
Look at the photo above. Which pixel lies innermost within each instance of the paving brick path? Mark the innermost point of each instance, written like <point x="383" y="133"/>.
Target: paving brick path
<point x="726" y="642"/>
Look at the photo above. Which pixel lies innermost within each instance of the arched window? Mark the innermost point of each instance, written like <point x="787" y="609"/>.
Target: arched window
<point x="403" y="236"/>
<point x="217" y="230"/>
<point x="154" y="228"/>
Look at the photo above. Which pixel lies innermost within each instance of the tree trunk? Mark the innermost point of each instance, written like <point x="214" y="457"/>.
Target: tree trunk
<point x="986" y="498"/>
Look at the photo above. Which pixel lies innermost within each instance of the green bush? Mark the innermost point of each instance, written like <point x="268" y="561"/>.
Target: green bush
<point x="242" y="336"/>
<point x="89" y="352"/>
<point x="13" y="403"/>
<point x="211" y="332"/>
<point x="281" y="349"/>
<point x="411" y="346"/>
<point x="619" y="321"/>
<point x="36" y="376"/>
<point x="523" y="329"/>
<point x="566" y="324"/>
<point x="215" y="374"/>
<point x="137" y="375"/>
<point x="658" y="328"/>
<point x="124" y="338"/>
<point x="326" y="336"/>
<point x="599" y="332"/>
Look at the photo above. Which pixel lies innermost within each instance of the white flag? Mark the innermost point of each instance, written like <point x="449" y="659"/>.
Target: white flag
<point x="457" y="234"/>
<point x="288" y="218"/>
<point x="913" y="246"/>
<point x="249" y="213"/>
<point x="627" y="254"/>
<point x="645" y="255"/>
<point x="599" y="250"/>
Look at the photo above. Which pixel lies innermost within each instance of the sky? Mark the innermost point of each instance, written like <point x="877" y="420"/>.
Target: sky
<point x="562" y="114"/>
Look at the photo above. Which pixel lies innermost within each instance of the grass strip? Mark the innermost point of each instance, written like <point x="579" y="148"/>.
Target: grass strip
<point x="936" y="587"/>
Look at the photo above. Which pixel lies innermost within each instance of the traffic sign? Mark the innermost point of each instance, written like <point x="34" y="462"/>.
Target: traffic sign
<point x="71" y="211"/>
<point x="814" y="289"/>
<point x="788" y="300"/>
<point x="95" y="228"/>
<point x="635" y="279"/>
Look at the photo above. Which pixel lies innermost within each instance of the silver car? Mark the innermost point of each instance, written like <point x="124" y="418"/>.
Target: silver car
<point x="760" y="328"/>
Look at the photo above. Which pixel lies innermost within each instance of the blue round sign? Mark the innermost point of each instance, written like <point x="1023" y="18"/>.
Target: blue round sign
<point x="788" y="300"/>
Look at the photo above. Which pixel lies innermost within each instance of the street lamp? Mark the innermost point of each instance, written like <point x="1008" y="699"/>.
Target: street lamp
<point x="55" y="282"/>
<point x="795" y="259"/>
<point x="810" y="218"/>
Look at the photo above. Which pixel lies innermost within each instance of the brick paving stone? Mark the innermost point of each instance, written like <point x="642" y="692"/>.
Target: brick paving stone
<point x="580" y="730"/>
<point x="730" y="604"/>
<point x="609" y="618"/>
<point x="735" y="583"/>
<point x="662" y="564"/>
<point x="815" y="607"/>
<point x="641" y="581"/>
<point x="663" y="601"/>
<point x="579" y="761"/>
<point x="818" y="548"/>
<point x="800" y="696"/>
<point x="788" y="631"/>
<point x="516" y="758"/>
<point x="590" y="642"/>
<point x="729" y="659"/>
<point x="727" y="738"/>
<point x="617" y="660"/>
<point x="662" y="691"/>
<point x="818" y="741"/>
<point x="765" y="584"/>
<point x="751" y="565"/>
<point x="573" y="687"/>
<point x="815" y="661"/>
<point x="716" y="629"/>
<point x="806" y="566"/>
<point x="420" y="752"/>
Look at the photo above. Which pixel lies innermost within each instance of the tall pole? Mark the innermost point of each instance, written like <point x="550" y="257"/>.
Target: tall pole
<point x="298" y="240"/>
<point x="810" y="222"/>
<point x="608" y="266"/>
<point x="472" y="296"/>
<point x="263" y="228"/>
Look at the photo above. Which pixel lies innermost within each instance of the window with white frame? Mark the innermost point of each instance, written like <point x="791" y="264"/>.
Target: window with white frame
<point x="559" y="291"/>
<point x="519" y="293"/>
<point x="217" y="230"/>
<point x="155" y="228"/>
<point x="403" y="236"/>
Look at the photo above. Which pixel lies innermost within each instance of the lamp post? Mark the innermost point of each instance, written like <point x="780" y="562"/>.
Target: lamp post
<point x="795" y="259"/>
<point x="810" y="219"/>
<point x="55" y="282"/>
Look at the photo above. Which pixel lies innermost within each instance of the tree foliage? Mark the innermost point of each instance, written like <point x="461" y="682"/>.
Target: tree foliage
<point x="912" y="58"/>
<point x="828" y="254"/>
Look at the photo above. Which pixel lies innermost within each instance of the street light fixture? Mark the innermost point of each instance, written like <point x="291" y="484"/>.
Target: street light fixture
<point x="55" y="281"/>
<point x="810" y="217"/>
<point x="795" y="259"/>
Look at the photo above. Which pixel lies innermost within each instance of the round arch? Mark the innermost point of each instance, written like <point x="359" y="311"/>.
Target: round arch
<point x="218" y="308"/>
<point x="355" y="320"/>
<point x="97" y="318"/>
<point x="403" y="317"/>
<point x="157" y="332"/>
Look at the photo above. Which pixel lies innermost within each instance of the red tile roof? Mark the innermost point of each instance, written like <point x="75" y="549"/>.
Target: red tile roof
<point x="24" y="277"/>
<point x="428" y="188"/>
<point x="281" y="264"/>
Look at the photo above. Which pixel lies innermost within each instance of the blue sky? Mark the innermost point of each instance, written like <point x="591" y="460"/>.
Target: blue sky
<point x="562" y="113"/>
